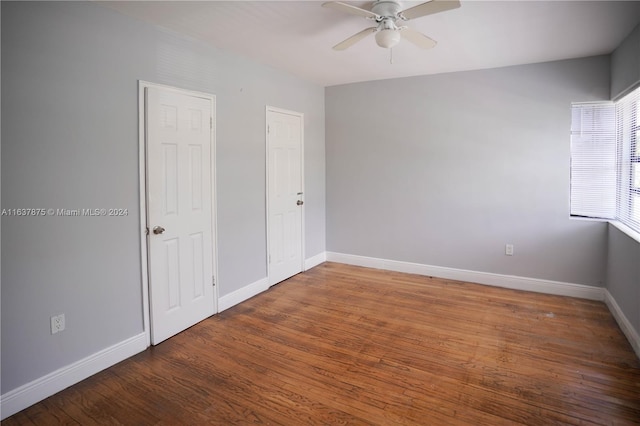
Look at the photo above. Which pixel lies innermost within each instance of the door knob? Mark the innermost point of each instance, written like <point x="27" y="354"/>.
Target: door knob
<point x="158" y="230"/>
<point x="300" y="202"/>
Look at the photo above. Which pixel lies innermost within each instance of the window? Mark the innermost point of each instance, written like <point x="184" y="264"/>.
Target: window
<point x="593" y="160"/>
<point x="628" y="138"/>
<point x="605" y="160"/>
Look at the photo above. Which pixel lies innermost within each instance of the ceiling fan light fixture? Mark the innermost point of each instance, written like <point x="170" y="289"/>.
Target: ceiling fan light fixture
<point x="388" y="38"/>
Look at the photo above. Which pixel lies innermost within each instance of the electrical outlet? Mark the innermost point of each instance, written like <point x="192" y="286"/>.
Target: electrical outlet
<point x="57" y="323"/>
<point x="508" y="249"/>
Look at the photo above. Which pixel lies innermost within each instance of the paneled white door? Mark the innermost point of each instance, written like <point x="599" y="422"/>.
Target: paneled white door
<point x="285" y="194"/>
<point x="179" y="210"/>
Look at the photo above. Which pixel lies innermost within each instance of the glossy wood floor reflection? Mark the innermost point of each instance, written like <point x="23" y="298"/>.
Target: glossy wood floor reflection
<point x="347" y="345"/>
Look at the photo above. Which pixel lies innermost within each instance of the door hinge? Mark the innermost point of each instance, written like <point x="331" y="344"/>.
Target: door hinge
<point x="211" y="123"/>
<point x="213" y="281"/>
<point x="268" y="129"/>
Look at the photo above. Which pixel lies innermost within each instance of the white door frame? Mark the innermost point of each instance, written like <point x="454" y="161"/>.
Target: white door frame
<point x="144" y="251"/>
<point x="266" y="132"/>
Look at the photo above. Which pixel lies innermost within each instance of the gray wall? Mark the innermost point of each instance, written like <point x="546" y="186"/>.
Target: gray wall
<point x="625" y="65"/>
<point x="623" y="252"/>
<point x="445" y="169"/>
<point x="623" y="274"/>
<point x="70" y="140"/>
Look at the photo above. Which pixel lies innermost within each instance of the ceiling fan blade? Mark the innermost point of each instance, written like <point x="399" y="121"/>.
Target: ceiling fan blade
<point x="417" y="38"/>
<point x="353" y="10"/>
<point x="429" y="8"/>
<point x="354" y="39"/>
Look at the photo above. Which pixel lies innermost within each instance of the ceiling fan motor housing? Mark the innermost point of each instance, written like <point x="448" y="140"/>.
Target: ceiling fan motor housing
<point x="386" y="9"/>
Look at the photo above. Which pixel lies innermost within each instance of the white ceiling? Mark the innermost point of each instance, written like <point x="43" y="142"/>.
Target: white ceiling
<point x="297" y="36"/>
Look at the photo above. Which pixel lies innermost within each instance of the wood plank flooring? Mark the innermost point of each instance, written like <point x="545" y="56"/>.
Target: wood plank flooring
<point x="346" y="345"/>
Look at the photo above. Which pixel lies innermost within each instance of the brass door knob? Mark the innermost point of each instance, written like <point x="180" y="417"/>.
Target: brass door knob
<point x="158" y="230"/>
<point x="300" y="202"/>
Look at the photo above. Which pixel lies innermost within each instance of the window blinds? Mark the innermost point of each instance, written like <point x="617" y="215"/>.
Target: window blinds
<point x="628" y="159"/>
<point x="605" y="160"/>
<point x="593" y="160"/>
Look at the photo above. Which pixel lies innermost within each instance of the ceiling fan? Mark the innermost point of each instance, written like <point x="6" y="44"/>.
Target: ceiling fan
<point x="386" y="14"/>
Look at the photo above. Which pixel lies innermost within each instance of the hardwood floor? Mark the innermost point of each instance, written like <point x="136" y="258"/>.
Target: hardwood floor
<point x="347" y="345"/>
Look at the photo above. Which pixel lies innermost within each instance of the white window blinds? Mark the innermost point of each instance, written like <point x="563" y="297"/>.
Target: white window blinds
<point x="628" y="158"/>
<point x="593" y="160"/>
<point x="605" y="160"/>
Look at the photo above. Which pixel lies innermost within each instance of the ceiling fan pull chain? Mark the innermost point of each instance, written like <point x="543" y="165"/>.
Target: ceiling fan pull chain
<point x="391" y="56"/>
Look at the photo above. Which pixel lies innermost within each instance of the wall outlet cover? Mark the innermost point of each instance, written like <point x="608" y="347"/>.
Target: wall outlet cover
<point x="57" y="323"/>
<point x="508" y="249"/>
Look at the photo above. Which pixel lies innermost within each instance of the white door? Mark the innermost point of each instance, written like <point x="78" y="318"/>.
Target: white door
<point x="285" y="194"/>
<point x="179" y="210"/>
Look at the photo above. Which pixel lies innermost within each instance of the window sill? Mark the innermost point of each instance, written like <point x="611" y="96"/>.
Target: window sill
<point x="589" y="219"/>
<point x="626" y="230"/>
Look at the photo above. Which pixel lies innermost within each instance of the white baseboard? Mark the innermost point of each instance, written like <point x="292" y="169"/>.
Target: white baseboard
<point x="39" y="389"/>
<point x="623" y="322"/>
<point x="242" y="294"/>
<point x="497" y="280"/>
<point x="315" y="260"/>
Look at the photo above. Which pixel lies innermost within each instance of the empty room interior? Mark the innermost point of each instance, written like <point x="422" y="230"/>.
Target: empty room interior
<point x="297" y="212"/>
